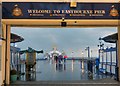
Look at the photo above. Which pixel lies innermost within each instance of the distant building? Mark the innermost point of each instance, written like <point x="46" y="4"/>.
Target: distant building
<point x="54" y="53"/>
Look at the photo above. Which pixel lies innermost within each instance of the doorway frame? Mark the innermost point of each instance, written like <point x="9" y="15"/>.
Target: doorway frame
<point x="8" y="23"/>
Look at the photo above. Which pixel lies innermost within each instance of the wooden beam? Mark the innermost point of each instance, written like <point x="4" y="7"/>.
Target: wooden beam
<point x="98" y="1"/>
<point x="57" y="22"/>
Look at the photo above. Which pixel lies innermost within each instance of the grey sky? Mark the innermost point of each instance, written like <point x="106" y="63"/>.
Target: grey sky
<point x="73" y="39"/>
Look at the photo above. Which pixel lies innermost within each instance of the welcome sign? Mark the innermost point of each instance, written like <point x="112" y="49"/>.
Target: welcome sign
<point x="59" y="10"/>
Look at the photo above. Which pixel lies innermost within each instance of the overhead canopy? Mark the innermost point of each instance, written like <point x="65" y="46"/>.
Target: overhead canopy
<point x="111" y="38"/>
<point x="15" y="38"/>
<point x="30" y="50"/>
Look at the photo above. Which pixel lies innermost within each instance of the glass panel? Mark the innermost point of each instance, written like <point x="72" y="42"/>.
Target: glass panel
<point x="108" y="68"/>
<point x="108" y="57"/>
<point x="113" y="69"/>
<point x="101" y="57"/>
<point x="114" y="56"/>
<point x="104" y="57"/>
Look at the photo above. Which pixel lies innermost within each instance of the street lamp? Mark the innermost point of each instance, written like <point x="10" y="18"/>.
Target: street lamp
<point x="88" y="50"/>
<point x="101" y="51"/>
<point x="91" y="53"/>
<point x="101" y="45"/>
<point x="82" y="54"/>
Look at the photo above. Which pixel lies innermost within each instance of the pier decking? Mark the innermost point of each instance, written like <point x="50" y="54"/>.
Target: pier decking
<point x="102" y="82"/>
<point x="45" y="79"/>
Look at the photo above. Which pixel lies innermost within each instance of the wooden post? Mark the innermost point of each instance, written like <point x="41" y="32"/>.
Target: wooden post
<point x="3" y="52"/>
<point x="118" y="51"/>
<point x="8" y="55"/>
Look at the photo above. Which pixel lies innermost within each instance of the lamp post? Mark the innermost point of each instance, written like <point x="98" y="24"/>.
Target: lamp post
<point x="101" y="45"/>
<point x="82" y="54"/>
<point x="88" y="50"/>
<point x="91" y="53"/>
<point x="101" y="51"/>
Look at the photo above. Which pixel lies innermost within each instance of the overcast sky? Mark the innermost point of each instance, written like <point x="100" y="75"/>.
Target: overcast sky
<point x="70" y="40"/>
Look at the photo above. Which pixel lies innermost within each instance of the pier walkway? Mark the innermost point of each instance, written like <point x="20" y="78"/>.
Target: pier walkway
<point x="102" y="82"/>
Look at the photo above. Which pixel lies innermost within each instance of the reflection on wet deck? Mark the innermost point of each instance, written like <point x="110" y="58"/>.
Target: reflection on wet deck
<point x="47" y="70"/>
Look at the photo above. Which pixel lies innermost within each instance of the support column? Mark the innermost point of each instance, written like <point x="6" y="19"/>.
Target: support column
<point x="3" y="52"/>
<point x="118" y="47"/>
<point x="8" y="55"/>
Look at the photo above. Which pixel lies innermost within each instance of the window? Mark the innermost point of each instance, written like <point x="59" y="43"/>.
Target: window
<point x="114" y="57"/>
